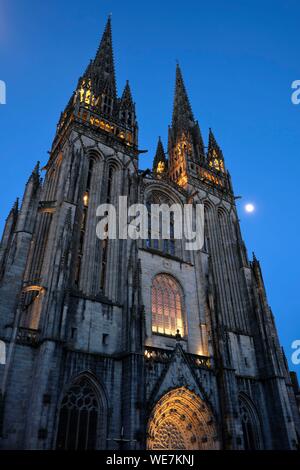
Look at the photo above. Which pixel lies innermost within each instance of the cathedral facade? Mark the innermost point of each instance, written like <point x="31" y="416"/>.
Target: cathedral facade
<point x="134" y="344"/>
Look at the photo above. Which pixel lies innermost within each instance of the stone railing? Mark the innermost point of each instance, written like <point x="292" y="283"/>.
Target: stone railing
<point x="158" y="355"/>
<point x="199" y="362"/>
<point x="164" y="356"/>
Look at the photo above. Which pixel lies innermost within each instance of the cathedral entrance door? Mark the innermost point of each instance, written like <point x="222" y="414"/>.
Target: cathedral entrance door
<point x="181" y="420"/>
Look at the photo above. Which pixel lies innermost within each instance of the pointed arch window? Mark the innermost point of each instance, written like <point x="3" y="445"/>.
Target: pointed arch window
<point x="78" y="418"/>
<point x="250" y="424"/>
<point x="107" y="104"/>
<point x="85" y="202"/>
<point x="167" y="306"/>
<point x="167" y="246"/>
<point x="104" y="243"/>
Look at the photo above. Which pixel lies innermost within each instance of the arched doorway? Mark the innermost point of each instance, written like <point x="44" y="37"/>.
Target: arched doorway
<point x="181" y="420"/>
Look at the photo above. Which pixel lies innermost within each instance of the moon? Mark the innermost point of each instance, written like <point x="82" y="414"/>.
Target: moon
<point x="249" y="208"/>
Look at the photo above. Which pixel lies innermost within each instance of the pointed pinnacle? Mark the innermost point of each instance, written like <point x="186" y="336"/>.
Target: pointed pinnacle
<point x="16" y="204"/>
<point x="160" y="150"/>
<point x="14" y="210"/>
<point x="160" y="155"/>
<point x="35" y="174"/>
<point x="213" y="144"/>
<point x="126" y="95"/>
<point x="212" y="138"/>
<point x="36" y="169"/>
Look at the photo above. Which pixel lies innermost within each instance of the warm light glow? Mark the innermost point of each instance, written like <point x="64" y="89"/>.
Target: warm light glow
<point x="160" y="167"/>
<point x="182" y="181"/>
<point x="211" y="178"/>
<point x="85" y="199"/>
<point x="167" y="306"/>
<point x="181" y="420"/>
<point x="85" y="94"/>
<point x="32" y="288"/>
<point x="249" y="208"/>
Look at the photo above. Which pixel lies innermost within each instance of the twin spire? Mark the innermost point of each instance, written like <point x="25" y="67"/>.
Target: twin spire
<point x="184" y="134"/>
<point x="104" y="63"/>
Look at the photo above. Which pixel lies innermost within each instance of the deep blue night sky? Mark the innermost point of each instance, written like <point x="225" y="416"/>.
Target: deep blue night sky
<point x="238" y="59"/>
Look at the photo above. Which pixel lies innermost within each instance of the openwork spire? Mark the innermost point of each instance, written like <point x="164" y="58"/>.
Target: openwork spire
<point x="182" y="111"/>
<point x="104" y="60"/>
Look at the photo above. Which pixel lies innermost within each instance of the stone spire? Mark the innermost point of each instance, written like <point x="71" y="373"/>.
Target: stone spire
<point x="182" y="112"/>
<point x="160" y="161"/>
<point x="185" y="143"/>
<point x="103" y="63"/>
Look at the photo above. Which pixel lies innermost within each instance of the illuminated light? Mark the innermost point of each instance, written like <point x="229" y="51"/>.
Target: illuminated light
<point x="182" y="181"/>
<point x="88" y="97"/>
<point x="160" y="167"/>
<point x="85" y="199"/>
<point x="178" y="421"/>
<point x="249" y="208"/>
<point x="33" y="288"/>
<point x="148" y="354"/>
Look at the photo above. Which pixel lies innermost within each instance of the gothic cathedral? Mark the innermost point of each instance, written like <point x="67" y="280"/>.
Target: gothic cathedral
<point x="134" y="344"/>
